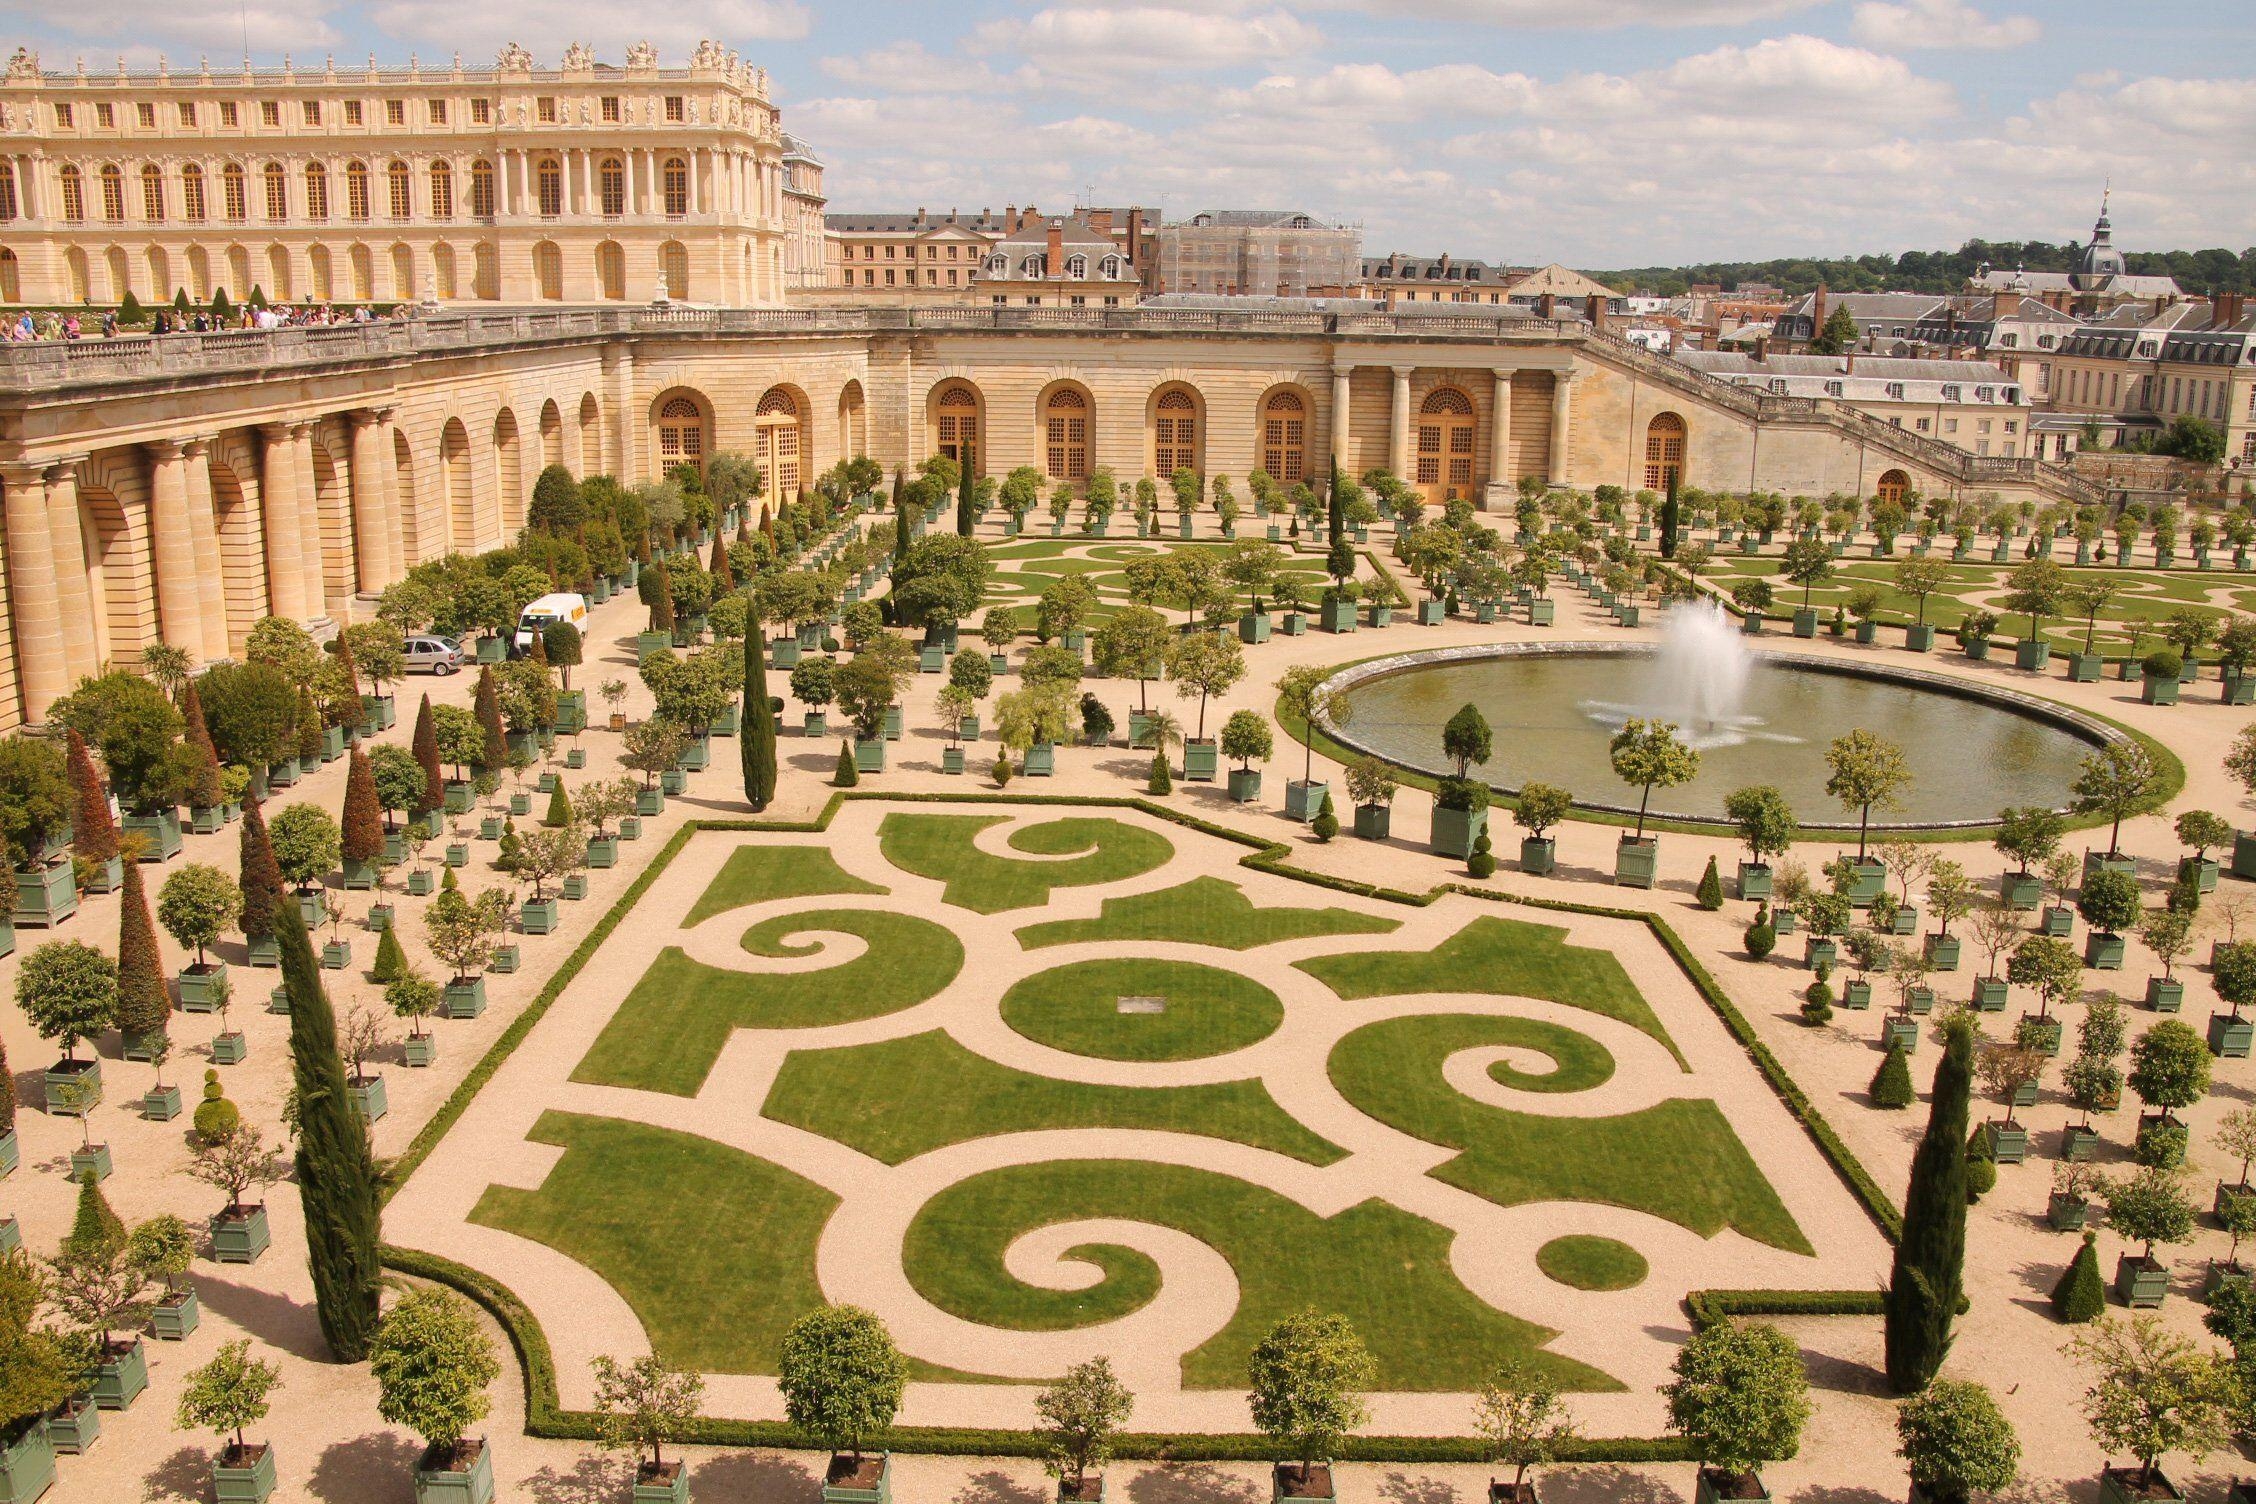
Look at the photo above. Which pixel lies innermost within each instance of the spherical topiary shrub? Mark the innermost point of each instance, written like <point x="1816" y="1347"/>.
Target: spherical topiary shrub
<point x="1817" y="1002"/>
<point x="1981" y="1169"/>
<point x="1761" y="937"/>
<point x="216" y="1117"/>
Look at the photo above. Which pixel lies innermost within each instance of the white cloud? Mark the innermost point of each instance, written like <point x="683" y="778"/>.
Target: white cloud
<point x="106" y="28"/>
<point x="908" y="68"/>
<point x="546" y="25"/>
<point x="1094" y="45"/>
<point x="1593" y="15"/>
<point x="1943" y="24"/>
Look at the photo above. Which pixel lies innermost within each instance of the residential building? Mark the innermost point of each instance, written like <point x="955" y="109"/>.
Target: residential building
<point x="1886" y="322"/>
<point x="2099" y="282"/>
<point x="1972" y="404"/>
<point x="1398" y="279"/>
<point x="919" y="257"/>
<point x="1279" y="253"/>
<point x="2133" y="373"/>
<point x="1058" y="262"/>
<point x="583" y="183"/>
<point x="805" y="250"/>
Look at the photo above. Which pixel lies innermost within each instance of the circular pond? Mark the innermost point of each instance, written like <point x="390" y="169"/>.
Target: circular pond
<point x="1755" y="718"/>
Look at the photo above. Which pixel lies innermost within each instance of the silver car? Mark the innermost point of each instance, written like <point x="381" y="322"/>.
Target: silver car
<point x="432" y="655"/>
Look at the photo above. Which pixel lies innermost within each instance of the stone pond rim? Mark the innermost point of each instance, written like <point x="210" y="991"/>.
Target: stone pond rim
<point x="2087" y="729"/>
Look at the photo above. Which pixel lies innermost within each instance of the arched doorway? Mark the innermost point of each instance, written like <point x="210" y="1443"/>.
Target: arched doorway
<point x="591" y="435"/>
<point x="548" y="272"/>
<point x="955" y="421"/>
<point x="1175" y="431"/>
<point x="611" y="270"/>
<point x="853" y="422"/>
<point x="242" y="554"/>
<point x="509" y="471"/>
<point x="681" y="434"/>
<point x="1894" y="486"/>
<point x="779" y="442"/>
<point x="454" y="486"/>
<point x="551" y="434"/>
<point x="410" y="542"/>
<point x="1284" y="437"/>
<point x="1445" y="445"/>
<point x="1664" y="452"/>
<point x="117" y="577"/>
<point x="1067" y="430"/>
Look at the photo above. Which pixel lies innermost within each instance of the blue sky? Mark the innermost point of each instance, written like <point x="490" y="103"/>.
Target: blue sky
<point x="1596" y="132"/>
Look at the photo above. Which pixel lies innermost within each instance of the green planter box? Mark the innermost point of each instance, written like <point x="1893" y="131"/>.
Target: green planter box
<point x="695" y="757"/>
<point x="1818" y="952"/>
<point x="200" y="984"/>
<point x="1253" y="627"/>
<point x="537" y="916"/>
<point x="520" y="803"/>
<point x="2100" y="861"/>
<point x="45" y="896"/>
<point x="204" y="820"/>
<point x="492" y="649"/>
<point x="1976" y="648"/>
<point x="1942" y="952"/>
<point x="1637" y="862"/>
<point x="2238" y="689"/>
<point x="1337" y="616"/>
<point x="2009" y="1142"/>
<point x="2103" y="952"/>
<point x="669" y="1485"/>
<point x="1040" y="760"/>
<point x="1245" y="784"/>
<point x="504" y="961"/>
<point x="1381" y="616"/>
<point x="283" y="774"/>
<point x="858" y="1480"/>
<point x="11" y="1153"/>
<point x="1374" y="822"/>
<point x="160" y="1104"/>
<point x="817" y="724"/>
<point x="1867" y="632"/>
<point x="2165" y="994"/>
<point x="2043" y="1034"/>
<point x="1431" y="613"/>
<point x="1542" y="612"/>
<point x="673" y="781"/>
<point x="232" y="1048"/>
<point x="74" y="1426"/>
<point x="1295" y="624"/>
<point x="336" y="955"/>
<point x="368" y="1099"/>
<point x="459" y="795"/>
<point x="122" y="1376"/>
<point x="1455" y="832"/>
<point x="1717" y="1487"/>
<point x="574" y="886"/>
<point x="1754" y="880"/>
<point x="175" y="1317"/>
<point x="458" y="854"/>
<point x="650" y="802"/>
<point x="2083" y="668"/>
<point x="92" y="1160"/>
<point x="1919" y="638"/>
<point x="2032" y="655"/>
<point x="420" y="884"/>
<point x="464" y="997"/>
<point x="630" y="827"/>
<point x="784" y="652"/>
<point x="359" y="876"/>
<point x="2140" y="1283"/>
<point x="1303" y="799"/>
<point x="2021" y="890"/>
<point x="1856" y="996"/>
<point x="1805" y="623"/>
<point x="2230" y="1036"/>
<point x="571" y="711"/>
<point x="421" y="1049"/>
<point x="439" y="1480"/>
<point x="1870" y="878"/>
<point x="893" y="723"/>
<point x="1202" y="760"/>
<point x="2079" y="1144"/>
<point x="2203" y="870"/>
<point x="2158" y="691"/>
<point x="27" y="1469"/>
<point x="603" y="851"/>
<point x="67" y="1076"/>
<point x="160" y="832"/>
<point x="869" y="755"/>
<point x="647" y="643"/>
<point x="951" y="760"/>
<point x="490" y="828"/>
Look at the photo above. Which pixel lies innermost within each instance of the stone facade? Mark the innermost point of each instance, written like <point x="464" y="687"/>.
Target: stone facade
<point x="184" y="487"/>
<point x="516" y="184"/>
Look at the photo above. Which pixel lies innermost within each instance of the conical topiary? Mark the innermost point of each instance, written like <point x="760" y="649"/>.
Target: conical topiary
<point x="1162" y="776"/>
<point x="426" y="747"/>
<point x="391" y="960"/>
<point x="144" y="1003"/>
<point x="95" y="1230"/>
<point x="350" y="713"/>
<point x="1482" y="863"/>
<point x="1928" y="1271"/>
<point x="845" y="776"/>
<point x="362" y="828"/>
<point x="2080" y="1295"/>
<point x="485" y="704"/>
<point x="205" y="790"/>
<point x="1891" y="1084"/>
<point x="1326" y="824"/>
<point x="559" y="808"/>
<point x="1711" y="888"/>
<point x="94" y="835"/>
<point x="262" y="876"/>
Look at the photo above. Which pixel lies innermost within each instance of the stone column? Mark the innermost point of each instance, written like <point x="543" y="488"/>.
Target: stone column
<point x="394" y="521"/>
<point x="278" y="518"/>
<point x="1500" y="441"/>
<point x="203" y="533"/>
<point x="1562" y="423"/>
<point x="369" y="514"/>
<point x="180" y="607"/>
<point x="73" y="591"/>
<point x="1398" y="426"/>
<point x="312" y="551"/>
<point x="1340" y="406"/>
<point x="33" y="596"/>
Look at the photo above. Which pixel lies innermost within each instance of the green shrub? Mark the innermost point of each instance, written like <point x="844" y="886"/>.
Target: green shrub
<point x="1711" y="888"/>
<point x="1761" y="939"/>
<point x="216" y="1117"/>
<point x="2161" y="1144"/>
<point x="1002" y="769"/>
<point x="1981" y="1169"/>
<point x="1891" y="1084"/>
<point x="2163" y="663"/>
<point x="391" y="961"/>
<point x="1162" y="780"/>
<point x="2080" y="1295"/>
<point x="845" y="776"/>
<point x="1817" y="1002"/>
<point x="1482" y="863"/>
<point x="1326" y="825"/>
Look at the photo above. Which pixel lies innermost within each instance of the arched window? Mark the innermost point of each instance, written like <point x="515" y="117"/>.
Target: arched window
<point x="356" y="191"/>
<point x="238" y="272"/>
<point x="324" y="284"/>
<point x="442" y="190"/>
<point x="152" y="193"/>
<point x="548" y="187"/>
<point x="1664" y="451"/>
<point x="1445" y="444"/>
<point x="277" y="192"/>
<point x="611" y="269"/>
<point x="403" y="274"/>
<point x="234" y="193"/>
<point x="317" y="192"/>
<point x="1030" y="268"/>
<point x="1175" y="432"/>
<point x="1077" y="267"/>
<point x="442" y="267"/>
<point x="74" y="267"/>
<point x="1065" y="433"/>
<point x="957" y="413"/>
<point x="7" y="193"/>
<point x="681" y="434"/>
<point x="673" y="265"/>
<point x="160" y="272"/>
<point x="776" y="422"/>
<point x="548" y="271"/>
<point x="399" y="193"/>
<point x="363" y="274"/>
<point x="1284" y="437"/>
<point x="674" y="177"/>
<point x="482" y="190"/>
<point x="199" y="273"/>
<point x="113" y="194"/>
<point x="998" y="266"/>
<point x="278" y="277"/>
<point x="1894" y="486"/>
<point x="192" y="205"/>
<point x="11" y="277"/>
<point x="611" y="187"/>
<point x="74" y="196"/>
<point x="485" y="272"/>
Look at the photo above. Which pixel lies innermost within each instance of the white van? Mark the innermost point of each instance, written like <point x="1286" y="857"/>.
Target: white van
<point x="561" y="605"/>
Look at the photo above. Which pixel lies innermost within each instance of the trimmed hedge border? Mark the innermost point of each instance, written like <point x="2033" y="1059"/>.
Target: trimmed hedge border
<point x="546" y="1417"/>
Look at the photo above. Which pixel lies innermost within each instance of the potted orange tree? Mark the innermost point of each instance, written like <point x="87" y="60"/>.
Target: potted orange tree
<point x="644" y="1405"/>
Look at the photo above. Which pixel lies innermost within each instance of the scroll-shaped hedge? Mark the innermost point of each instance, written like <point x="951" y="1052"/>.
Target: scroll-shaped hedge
<point x="940" y="847"/>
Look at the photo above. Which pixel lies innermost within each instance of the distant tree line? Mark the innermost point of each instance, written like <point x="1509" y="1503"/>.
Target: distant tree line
<point x="2198" y="272"/>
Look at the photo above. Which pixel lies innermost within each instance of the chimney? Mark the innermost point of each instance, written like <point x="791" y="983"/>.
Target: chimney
<point x="2007" y="305"/>
<point x="1010" y="219"/>
<point x="1594" y="308"/>
<point x="1762" y="347"/>
<point x="1057" y="248"/>
<point x="920" y="214"/>
<point x="1027" y="218"/>
<point x="1100" y="220"/>
<point x="2229" y="306"/>
<point x="1546" y="306"/>
<point x="1849" y="369"/>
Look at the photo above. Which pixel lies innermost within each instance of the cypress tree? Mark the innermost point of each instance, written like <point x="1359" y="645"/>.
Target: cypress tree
<point x="7" y="1094"/>
<point x="1711" y="888"/>
<point x="966" y="520"/>
<point x="723" y="576"/>
<point x="1338" y="510"/>
<point x="559" y="808"/>
<point x="363" y="822"/>
<point x="351" y="714"/>
<point x="1923" y="1288"/>
<point x="426" y="748"/>
<point x="845" y="775"/>
<point x="900" y="518"/>
<point x="205" y="791"/>
<point x="1669" y="520"/>
<point x="1162" y="779"/>
<point x="1891" y="1084"/>
<point x="2081" y="1295"/>
<point x="757" y="746"/>
<point x="262" y="876"/>
<point x="486" y="706"/>
<point x="143" y="1004"/>
<point x="94" y="834"/>
<point x="662" y="604"/>
<point x="336" y="1172"/>
<point x="391" y="961"/>
<point x="95" y="1229"/>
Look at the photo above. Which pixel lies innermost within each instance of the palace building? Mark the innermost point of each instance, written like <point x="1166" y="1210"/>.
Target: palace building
<point x="587" y="182"/>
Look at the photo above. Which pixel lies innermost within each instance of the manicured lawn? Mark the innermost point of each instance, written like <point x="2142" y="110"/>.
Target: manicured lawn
<point x="1590" y="1263"/>
<point x="1208" y="1011"/>
<point x="1677" y="1159"/>
<point x="1506" y="957"/>
<point x="712" y="1247"/>
<point x="940" y="847"/>
<point x="898" y="1098"/>
<point x="760" y="874"/>
<point x="1203" y="911"/>
<point x="669" y="1030"/>
<point x="1384" y="1269"/>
